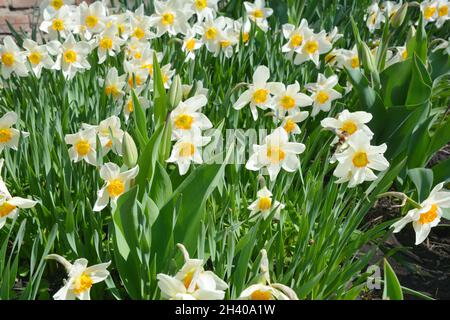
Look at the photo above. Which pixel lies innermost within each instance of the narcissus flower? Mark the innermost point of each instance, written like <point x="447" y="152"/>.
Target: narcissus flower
<point x="374" y="17"/>
<point x="428" y="215"/>
<point x="264" y="205"/>
<point x="276" y="153"/>
<point x="92" y="18"/>
<point x="80" y="278"/>
<point x="51" y="7"/>
<point x="295" y="37"/>
<point x="58" y="24"/>
<point x="9" y="137"/>
<point x="71" y="56"/>
<point x="187" y="149"/>
<point x="192" y="282"/>
<point x="349" y="123"/>
<point x="429" y="10"/>
<point x="289" y="123"/>
<point x="443" y="12"/>
<point x="313" y="46"/>
<point x="323" y="93"/>
<point x="116" y="183"/>
<point x="171" y="16"/>
<point x="9" y="205"/>
<point x="191" y="44"/>
<point x="140" y="25"/>
<point x="109" y="134"/>
<point x="265" y="290"/>
<point x="128" y="107"/>
<point x="258" y="93"/>
<point x="12" y="59"/>
<point x="37" y="56"/>
<point x="288" y="99"/>
<point x="83" y="146"/>
<point x="113" y="84"/>
<point x="204" y="8"/>
<point x="355" y="164"/>
<point x="258" y="13"/>
<point x="108" y="43"/>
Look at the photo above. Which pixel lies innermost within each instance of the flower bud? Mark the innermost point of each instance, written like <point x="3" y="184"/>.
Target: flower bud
<point x="175" y="92"/>
<point x="399" y="17"/>
<point x="129" y="151"/>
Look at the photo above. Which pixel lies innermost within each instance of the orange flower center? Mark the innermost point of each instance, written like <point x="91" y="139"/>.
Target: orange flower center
<point x="116" y="187"/>
<point x="429" y="216"/>
<point x="360" y="159"/>
<point x="261" y="295"/>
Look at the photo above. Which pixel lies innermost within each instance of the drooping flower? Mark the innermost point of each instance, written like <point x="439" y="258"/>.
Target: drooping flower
<point x="116" y="184"/>
<point x="428" y="215"/>
<point x="276" y="153"/>
<point x="80" y="278"/>
<point x="323" y="93"/>
<point x="264" y="205"/>
<point x="192" y="282"/>
<point x="83" y="146"/>
<point x="9" y="137"/>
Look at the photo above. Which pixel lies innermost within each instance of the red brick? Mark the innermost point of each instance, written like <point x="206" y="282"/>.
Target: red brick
<point x="4" y="3"/>
<point x="21" y="4"/>
<point x="17" y="20"/>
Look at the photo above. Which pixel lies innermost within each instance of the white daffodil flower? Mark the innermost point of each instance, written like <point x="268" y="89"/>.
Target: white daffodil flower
<point x="128" y="107"/>
<point x="204" y="8"/>
<point x="356" y="162"/>
<point x="122" y="24"/>
<point x="108" y="43"/>
<point x="80" y="278"/>
<point x="443" y="12"/>
<point x="199" y="90"/>
<point x="429" y="10"/>
<point x="83" y="146"/>
<point x="58" y="24"/>
<point x="334" y="35"/>
<point x="211" y="30"/>
<point x="51" y="7"/>
<point x="166" y="73"/>
<point x="347" y="58"/>
<point x="12" y="59"/>
<point x="374" y="17"/>
<point x="71" y="56"/>
<point x="258" y="93"/>
<point x="313" y="46"/>
<point x="258" y="13"/>
<point x="171" y="16"/>
<point x="444" y="45"/>
<point x="143" y="60"/>
<point x="390" y="8"/>
<point x="349" y="123"/>
<point x="114" y="84"/>
<point x="192" y="282"/>
<point x="400" y="55"/>
<point x="140" y="25"/>
<point x="9" y="137"/>
<point x="116" y="184"/>
<point x="264" y="205"/>
<point x="92" y="18"/>
<point x="323" y="93"/>
<point x="9" y="205"/>
<point x="276" y="153"/>
<point x="137" y="75"/>
<point x="289" y="123"/>
<point x="428" y="215"/>
<point x="186" y="117"/>
<point x="295" y="37"/>
<point x="288" y="99"/>
<point x="109" y="134"/>
<point x="242" y="30"/>
<point x="191" y="44"/>
<point x="265" y="290"/>
<point x="187" y="150"/>
<point x="228" y="39"/>
<point x="37" y="56"/>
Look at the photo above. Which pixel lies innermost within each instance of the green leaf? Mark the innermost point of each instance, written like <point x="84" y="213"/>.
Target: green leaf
<point x="160" y="102"/>
<point x="423" y="180"/>
<point x="392" y="289"/>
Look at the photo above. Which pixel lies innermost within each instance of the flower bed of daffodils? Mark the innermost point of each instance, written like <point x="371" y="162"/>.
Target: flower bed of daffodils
<point x="213" y="149"/>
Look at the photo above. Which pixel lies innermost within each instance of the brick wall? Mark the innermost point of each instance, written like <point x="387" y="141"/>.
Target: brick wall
<point x="19" y="13"/>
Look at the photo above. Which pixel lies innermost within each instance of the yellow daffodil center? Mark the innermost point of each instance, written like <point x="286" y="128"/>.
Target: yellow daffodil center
<point x="264" y="203"/>
<point x="138" y="33"/>
<point x="116" y="187"/>
<point x="260" y="95"/>
<point x="35" y="57"/>
<point x="5" y="135"/>
<point x="289" y="126"/>
<point x="258" y="13"/>
<point x="405" y="54"/>
<point x="190" y="44"/>
<point x="165" y="78"/>
<point x="429" y="216"/>
<point x="130" y="106"/>
<point x="58" y="25"/>
<point x="211" y="33"/>
<point x="261" y="295"/>
<point x="349" y="126"/>
<point x="56" y="4"/>
<point x="91" y="21"/>
<point x="311" y="46"/>
<point x="136" y="78"/>
<point x="82" y="147"/>
<point x="5" y="209"/>
<point x="121" y="28"/>
<point x="225" y="43"/>
<point x="275" y="154"/>
<point x="360" y="159"/>
<point x="245" y="37"/>
<point x="82" y="283"/>
<point x="106" y="43"/>
<point x="184" y="121"/>
<point x="287" y="102"/>
<point x="167" y="19"/>
<point x="443" y="11"/>
<point x="296" y="40"/>
<point x="8" y="59"/>
<point x="373" y="18"/>
<point x="428" y="13"/>
<point x="187" y="149"/>
<point x="354" y="62"/>
<point x="149" y="67"/>
<point x="111" y="90"/>
<point x="70" y="56"/>
<point x="188" y="278"/>
<point x="322" y="97"/>
<point x="200" y="4"/>
<point x="109" y="144"/>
